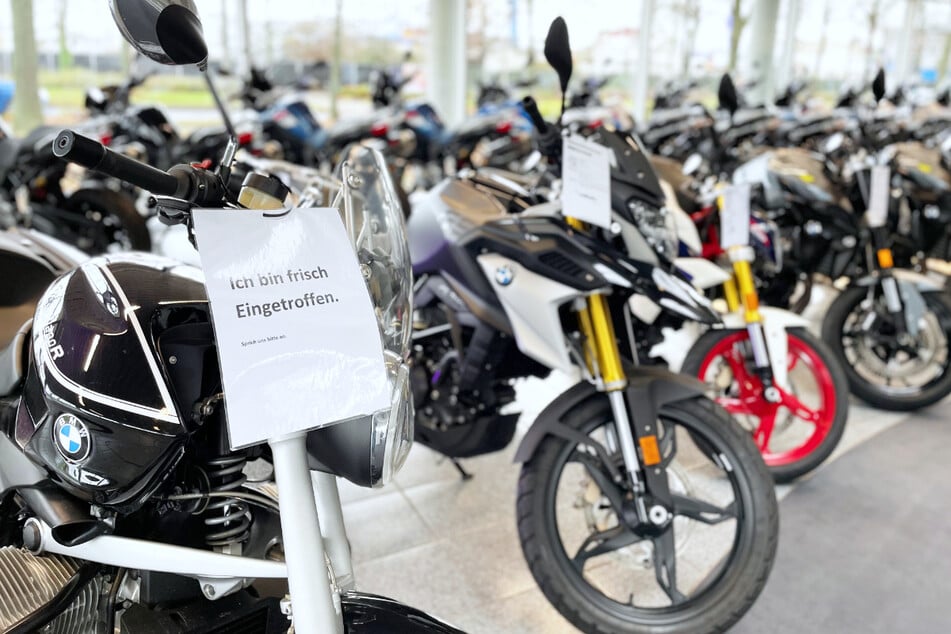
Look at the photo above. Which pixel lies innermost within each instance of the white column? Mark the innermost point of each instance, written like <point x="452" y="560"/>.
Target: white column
<point x="447" y="59"/>
<point x="642" y="68"/>
<point x="785" y="68"/>
<point x="903" y="67"/>
<point x="760" y="66"/>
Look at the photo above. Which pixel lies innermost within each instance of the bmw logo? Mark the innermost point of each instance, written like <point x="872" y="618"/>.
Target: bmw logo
<point x="504" y="275"/>
<point x="71" y="438"/>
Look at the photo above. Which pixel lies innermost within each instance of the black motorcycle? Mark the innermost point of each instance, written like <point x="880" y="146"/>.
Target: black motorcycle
<point x="94" y="217"/>
<point x="122" y="506"/>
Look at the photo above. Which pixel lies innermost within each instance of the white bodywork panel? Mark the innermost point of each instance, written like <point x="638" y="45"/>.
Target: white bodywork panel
<point x="704" y="273"/>
<point x="531" y="304"/>
<point x="686" y="229"/>
<point x="776" y="322"/>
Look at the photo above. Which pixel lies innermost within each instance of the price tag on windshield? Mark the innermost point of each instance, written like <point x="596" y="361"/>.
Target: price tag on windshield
<point x="878" y="196"/>
<point x="586" y="181"/>
<point x="735" y="216"/>
<point x="297" y="334"/>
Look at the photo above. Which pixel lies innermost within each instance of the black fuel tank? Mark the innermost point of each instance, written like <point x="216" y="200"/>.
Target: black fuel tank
<point x="99" y="405"/>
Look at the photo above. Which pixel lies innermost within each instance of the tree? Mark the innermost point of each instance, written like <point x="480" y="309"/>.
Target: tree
<point x="690" y="12"/>
<point x="739" y="22"/>
<point x="27" y="113"/>
<point x="65" y="58"/>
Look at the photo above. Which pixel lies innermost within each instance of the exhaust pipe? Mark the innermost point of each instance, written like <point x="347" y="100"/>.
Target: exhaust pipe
<point x="69" y="521"/>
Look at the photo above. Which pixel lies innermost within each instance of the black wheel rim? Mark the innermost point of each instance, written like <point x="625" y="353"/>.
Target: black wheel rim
<point x="876" y="357"/>
<point x="735" y="548"/>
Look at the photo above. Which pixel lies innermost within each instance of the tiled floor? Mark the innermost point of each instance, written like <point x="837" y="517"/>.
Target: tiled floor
<point x="451" y="547"/>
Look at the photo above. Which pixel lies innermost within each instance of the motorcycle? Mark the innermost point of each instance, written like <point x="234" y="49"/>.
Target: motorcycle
<point x="118" y="490"/>
<point x="605" y="466"/>
<point x="94" y="218"/>
<point x="889" y="327"/>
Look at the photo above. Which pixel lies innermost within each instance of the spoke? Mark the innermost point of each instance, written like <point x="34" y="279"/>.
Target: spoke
<point x="733" y="405"/>
<point x="665" y="565"/>
<point x="793" y="404"/>
<point x="764" y="431"/>
<point x="701" y="510"/>
<point x="608" y="488"/>
<point x="793" y="362"/>
<point x="603" y="542"/>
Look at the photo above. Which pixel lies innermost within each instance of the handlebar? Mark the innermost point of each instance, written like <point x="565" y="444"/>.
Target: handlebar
<point x="185" y="182"/>
<point x="94" y="155"/>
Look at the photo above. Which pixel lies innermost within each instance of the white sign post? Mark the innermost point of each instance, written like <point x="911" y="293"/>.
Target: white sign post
<point x="297" y="336"/>
<point x="735" y="217"/>
<point x="300" y="348"/>
<point x="586" y="181"/>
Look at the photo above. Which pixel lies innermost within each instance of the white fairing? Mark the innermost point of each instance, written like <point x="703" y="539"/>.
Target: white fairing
<point x="531" y="303"/>
<point x="686" y="230"/>
<point x="776" y="322"/>
<point x="703" y="273"/>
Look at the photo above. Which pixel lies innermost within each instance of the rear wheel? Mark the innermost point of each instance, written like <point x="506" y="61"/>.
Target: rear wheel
<point x="699" y="573"/>
<point x="797" y="433"/>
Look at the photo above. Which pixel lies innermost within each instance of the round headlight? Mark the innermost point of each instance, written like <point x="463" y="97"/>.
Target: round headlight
<point x="393" y="427"/>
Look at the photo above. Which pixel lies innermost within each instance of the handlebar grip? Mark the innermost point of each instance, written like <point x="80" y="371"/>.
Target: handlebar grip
<point x="91" y="154"/>
<point x="531" y="108"/>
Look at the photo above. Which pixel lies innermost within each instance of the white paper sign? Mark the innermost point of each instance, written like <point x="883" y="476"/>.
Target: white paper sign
<point x="586" y="181"/>
<point x="735" y="216"/>
<point x="297" y="335"/>
<point x="877" y="210"/>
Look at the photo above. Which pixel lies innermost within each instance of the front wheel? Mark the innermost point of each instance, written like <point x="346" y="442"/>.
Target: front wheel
<point x="796" y="432"/>
<point x="887" y="366"/>
<point x="700" y="572"/>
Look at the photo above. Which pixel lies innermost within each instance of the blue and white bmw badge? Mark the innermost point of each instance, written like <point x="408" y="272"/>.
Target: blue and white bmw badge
<point x="504" y="275"/>
<point x="71" y="438"/>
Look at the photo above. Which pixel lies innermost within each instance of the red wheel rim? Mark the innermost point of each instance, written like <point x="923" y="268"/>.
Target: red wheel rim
<point x="749" y="400"/>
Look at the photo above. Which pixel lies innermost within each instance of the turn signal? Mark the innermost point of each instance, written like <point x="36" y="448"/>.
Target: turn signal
<point x="650" y="450"/>
<point x="885" y="258"/>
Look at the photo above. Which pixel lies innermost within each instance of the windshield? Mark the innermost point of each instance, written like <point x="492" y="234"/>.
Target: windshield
<point x="362" y="190"/>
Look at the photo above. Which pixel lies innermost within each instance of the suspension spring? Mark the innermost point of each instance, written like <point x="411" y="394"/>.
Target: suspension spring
<point x="227" y="520"/>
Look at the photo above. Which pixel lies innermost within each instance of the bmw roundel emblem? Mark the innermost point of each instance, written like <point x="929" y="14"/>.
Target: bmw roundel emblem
<point x="71" y="438"/>
<point x="504" y="275"/>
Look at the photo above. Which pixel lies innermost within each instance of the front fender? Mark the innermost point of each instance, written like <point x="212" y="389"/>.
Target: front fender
<point x="371" y="614"/>
<point x="923" y="283"/>
<point x="655" y="388"/>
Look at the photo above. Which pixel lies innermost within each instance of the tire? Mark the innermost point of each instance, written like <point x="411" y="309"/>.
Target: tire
<point x="896" y="399"/>
<point x="121" y="223"/>
<point x="717" y="604"/>
<point x="797" y="457"/>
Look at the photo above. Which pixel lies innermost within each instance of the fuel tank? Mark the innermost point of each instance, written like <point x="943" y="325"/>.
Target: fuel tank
<point x="104" y="405"/>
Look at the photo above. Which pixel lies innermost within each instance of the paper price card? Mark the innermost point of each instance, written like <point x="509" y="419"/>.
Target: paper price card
<point x="735" y="216"/>
<point x="878" y="196"/>
<point x="586" y="181"/>
<point x="297" y="335"/>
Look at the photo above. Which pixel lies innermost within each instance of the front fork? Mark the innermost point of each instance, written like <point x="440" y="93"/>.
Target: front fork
<point x="884" y="263"/>
<point x="636" y="438"/>
<point x="741" y="290"/>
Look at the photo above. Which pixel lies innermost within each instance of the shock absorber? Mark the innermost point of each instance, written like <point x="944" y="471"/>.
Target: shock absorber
<point x="227" y="519"/>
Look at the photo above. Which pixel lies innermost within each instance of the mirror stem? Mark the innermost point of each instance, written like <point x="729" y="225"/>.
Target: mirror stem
<point x="224" y="167"/>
